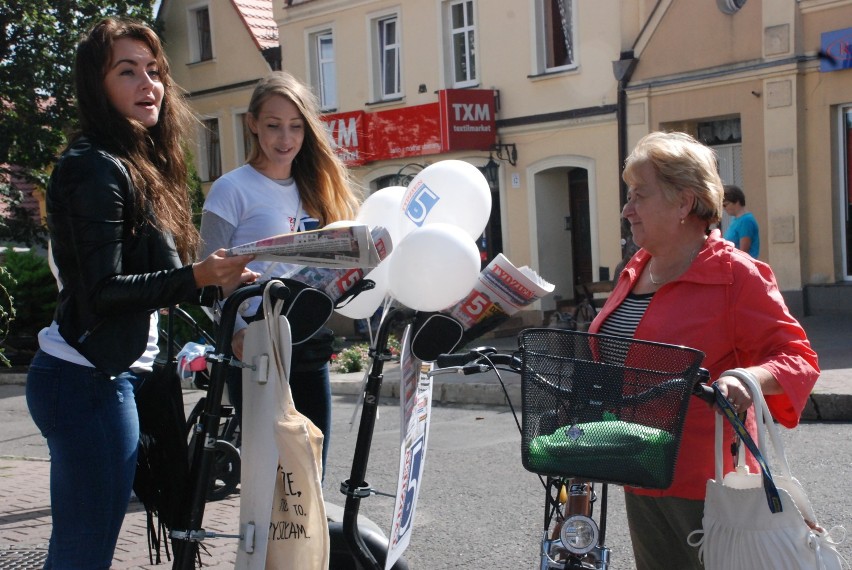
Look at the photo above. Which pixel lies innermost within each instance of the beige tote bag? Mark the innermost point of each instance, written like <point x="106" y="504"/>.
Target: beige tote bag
<point x="297" y="533"/>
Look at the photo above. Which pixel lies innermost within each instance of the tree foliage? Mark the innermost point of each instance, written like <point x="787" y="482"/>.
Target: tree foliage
<point x="37" y="108"/>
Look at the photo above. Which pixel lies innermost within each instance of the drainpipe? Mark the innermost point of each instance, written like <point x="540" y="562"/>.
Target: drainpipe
<point x="623" y="70"/>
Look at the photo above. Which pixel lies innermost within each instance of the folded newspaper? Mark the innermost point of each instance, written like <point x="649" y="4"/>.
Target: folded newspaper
<point x="347" y="246"/>
<point x="501" y="291"/>
<point x="329" y="259"/>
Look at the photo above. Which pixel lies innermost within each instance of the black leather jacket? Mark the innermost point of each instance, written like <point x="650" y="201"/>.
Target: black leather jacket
<point x="112" y="277"/>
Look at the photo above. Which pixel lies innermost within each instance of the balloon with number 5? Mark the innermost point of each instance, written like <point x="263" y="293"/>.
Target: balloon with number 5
<point x="363" y="305"/>
<point x="449" y="191"/>
<point x="433" y="267"/>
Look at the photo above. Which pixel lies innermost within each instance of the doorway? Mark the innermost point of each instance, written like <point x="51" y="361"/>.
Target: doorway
<point x="845" y="194"/>
<point x="581" y="231"/>
<point x="563" y="231"/>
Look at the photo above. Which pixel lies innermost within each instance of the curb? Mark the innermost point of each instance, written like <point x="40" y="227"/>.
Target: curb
<point x="834" y="407"/>
<point x="828" y="408"/>
<point x="473" y="393"/>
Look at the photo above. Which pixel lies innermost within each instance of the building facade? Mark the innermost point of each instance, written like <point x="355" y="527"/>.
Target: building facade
<point x="554" y="93"/>
<point x="218" y="50"/>
<point x="768" y="84"/>
<point x="545" y="66"/>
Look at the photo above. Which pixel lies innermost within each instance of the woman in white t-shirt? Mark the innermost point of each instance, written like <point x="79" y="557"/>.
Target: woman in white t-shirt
<point x="293" y="182"/>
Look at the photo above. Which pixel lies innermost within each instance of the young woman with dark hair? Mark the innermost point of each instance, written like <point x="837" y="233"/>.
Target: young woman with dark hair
<point x="122" y="242"/>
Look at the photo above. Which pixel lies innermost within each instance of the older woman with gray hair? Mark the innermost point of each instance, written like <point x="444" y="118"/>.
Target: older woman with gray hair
<point x="688" y="286"/>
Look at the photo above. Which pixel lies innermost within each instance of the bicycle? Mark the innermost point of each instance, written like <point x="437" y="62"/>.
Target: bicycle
<point x="225" y="475"/>
<point x="350" y="544"/>
<point x="580" y="316"/>
<point x="596" y="410"/>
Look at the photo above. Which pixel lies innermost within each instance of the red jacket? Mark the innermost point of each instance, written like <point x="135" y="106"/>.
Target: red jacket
<point x="728" y="306"/>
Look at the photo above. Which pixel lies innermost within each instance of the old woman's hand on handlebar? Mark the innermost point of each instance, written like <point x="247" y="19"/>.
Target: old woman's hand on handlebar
<point x="228" y="272"/>
<point x="734" y="391"/>
<point x="739" y="396"/>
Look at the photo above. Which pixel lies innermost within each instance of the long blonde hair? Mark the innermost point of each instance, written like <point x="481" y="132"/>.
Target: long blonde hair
<point x="325" y="187"/>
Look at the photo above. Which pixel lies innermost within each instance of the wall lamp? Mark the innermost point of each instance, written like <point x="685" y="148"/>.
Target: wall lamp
<point x="403" y="178"/>
<point x="504" y="151"/>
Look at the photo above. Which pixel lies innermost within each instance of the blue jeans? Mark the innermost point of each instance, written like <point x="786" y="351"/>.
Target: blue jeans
<point x="92" y="431"/>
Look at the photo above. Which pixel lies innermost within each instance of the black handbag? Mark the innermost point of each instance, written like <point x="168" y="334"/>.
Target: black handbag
<point x="162" y="465"/>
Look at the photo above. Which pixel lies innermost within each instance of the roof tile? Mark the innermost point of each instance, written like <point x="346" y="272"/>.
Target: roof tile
<point x="257" y="15"/>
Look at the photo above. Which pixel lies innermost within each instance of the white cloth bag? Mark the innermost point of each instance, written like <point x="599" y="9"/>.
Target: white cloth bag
<point x="282" y="514"/>
<point x="739" y="530"/>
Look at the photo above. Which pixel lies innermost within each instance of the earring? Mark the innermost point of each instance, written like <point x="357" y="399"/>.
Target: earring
<point x="682" y="220"/>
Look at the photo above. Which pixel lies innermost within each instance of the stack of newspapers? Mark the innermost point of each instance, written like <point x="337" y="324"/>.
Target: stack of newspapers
<point x="329" y="259"/>
<point x="334" y="259"/>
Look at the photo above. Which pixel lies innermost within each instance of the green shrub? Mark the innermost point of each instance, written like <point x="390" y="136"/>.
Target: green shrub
<point x="32" y="288"/>
<point x="28" y="298"/>
<point x="352" y="359"/>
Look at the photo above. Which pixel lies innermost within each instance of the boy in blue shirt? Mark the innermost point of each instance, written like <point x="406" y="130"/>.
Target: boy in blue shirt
<point x="743" y="230"/>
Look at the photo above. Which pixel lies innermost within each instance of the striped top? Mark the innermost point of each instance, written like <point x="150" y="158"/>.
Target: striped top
<point x="625" y="318"/>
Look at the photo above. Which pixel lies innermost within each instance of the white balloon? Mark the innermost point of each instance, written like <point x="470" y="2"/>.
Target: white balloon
<point x="381" y="209"/>
<point x="365" y="304"/>
<point x="449" y="191"/>
<point x="433" y="267"/>
<point x="342" y="224"/>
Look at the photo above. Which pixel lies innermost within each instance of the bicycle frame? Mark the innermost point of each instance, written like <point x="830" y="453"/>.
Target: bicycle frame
<point x="186" y="540"/>
<point x="356" y="488"/>
<point x="571" y="538"/>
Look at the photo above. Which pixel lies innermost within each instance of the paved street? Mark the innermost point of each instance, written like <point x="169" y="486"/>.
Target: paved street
<point x="478" y="507"/>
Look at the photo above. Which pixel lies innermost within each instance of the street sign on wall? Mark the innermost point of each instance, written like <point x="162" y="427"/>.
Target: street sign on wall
<point x="836" y="48"/>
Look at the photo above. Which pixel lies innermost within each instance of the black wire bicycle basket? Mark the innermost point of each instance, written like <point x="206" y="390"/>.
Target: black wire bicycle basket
<point x="603" y="408"/>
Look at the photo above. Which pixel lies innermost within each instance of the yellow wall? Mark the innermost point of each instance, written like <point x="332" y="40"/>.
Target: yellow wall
<point x="695" y="64"/>
<point x="237" y="63"/>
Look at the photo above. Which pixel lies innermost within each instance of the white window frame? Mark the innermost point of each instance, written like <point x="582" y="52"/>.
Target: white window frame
<point x="241" y="150"/>
<point x="195" y="51"/>
<point x="467" y="30"/>
<point x="842" y="200"/>
<point x="322" y="70"/>
<point x="380" y="51"/>
<point x="204" y="163"/>
<point x="543" y="38"/>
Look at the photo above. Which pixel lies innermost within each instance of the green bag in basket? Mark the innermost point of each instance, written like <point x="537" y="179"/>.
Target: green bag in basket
<point x="594" y="449"/>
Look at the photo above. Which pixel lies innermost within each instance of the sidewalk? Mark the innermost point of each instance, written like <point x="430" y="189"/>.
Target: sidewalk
<point x="25" y="501"/>
<point x="831" y="399"/>
<point x="25" y="523"/>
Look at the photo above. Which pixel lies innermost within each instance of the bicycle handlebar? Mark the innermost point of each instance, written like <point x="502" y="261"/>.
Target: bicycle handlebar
<point x="485" y="358"/>
<point x="701" y="389"/>
<point x="463" y="358"/>
<point x="475" y="361"/>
